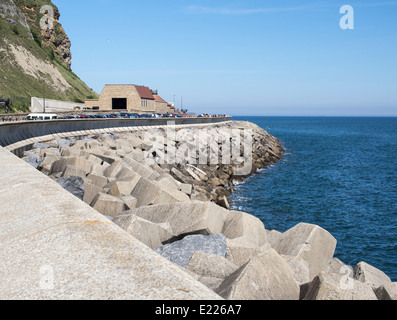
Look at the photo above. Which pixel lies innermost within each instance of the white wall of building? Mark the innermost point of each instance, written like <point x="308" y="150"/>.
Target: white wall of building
<point x="37" y="105"/>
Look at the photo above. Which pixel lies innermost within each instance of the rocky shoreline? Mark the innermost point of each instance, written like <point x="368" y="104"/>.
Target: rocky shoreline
<point x="180" y="209"/>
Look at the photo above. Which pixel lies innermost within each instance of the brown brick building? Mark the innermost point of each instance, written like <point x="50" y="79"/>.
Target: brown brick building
<point x="131" y="98"/>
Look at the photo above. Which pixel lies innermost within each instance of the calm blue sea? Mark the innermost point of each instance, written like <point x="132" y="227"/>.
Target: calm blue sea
<point x="338" y="173"/>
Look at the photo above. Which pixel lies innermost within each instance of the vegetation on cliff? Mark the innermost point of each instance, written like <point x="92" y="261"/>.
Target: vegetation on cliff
<point x="29" y="54"/>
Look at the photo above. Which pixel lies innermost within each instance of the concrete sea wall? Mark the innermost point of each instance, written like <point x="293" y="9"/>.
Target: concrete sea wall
<point x="15" y="136"/>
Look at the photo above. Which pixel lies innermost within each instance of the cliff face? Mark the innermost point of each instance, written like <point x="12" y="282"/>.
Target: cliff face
<point x="54" y="39"/>
<point x="34" y="58"/>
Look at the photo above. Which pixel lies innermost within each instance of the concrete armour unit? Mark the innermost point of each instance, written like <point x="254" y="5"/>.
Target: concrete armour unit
<point x="54" y="246"/>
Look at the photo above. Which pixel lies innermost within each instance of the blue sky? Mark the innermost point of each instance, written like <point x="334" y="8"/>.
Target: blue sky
<point x="246" y="57"/>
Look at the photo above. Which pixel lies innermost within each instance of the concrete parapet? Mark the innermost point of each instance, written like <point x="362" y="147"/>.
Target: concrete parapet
<point x="15" y="136"/>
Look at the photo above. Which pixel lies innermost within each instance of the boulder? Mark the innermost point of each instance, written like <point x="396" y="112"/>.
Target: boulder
<point x="185" y="188"/>
<point x="71" y="170"/>
<point x="91" y="158"/>
<point x="175" y="193"/>
<point x="58" y="166"/>
<point x="339" y="267"/>
<point x="240" y="251"/>
<point x="156" y="167"/>
<point x="50" y="151"/>
<point x="91" y="190"/>
<point x="141" y="169"/>
<point x="46" y="164"/>
<point x="113" y="169"/>
<point x="110" y="138"/>
<point x="187" y="217"/>
<point x="69" y="152"/>
<point x="200" y="194"/>
<point x="33" y="160"/>
<point x="300" y="268"/>
<point x="240" y="224"/>
<point x="211" y="282"/>
<point x="72" y="184"/>
<point x="108" y="205"/>
<point x="211" y="269"/>
<point x="124" y="146"/>
<point x="40" y="145"/>
<point x="98" y="180"/>
<point x="110" y="183"/>
<point x="332" y="286"/>
<point x="122" y="188"/>
<point x="215" y="182"/>
<point x="211" y="265"/>
<point x="130" y="202"/>
<point x="196" y="173"/>
<point x="91" y="143"/>
<point x="80" y="163"/>
<point x="150" y="193"/>
<point x="273" y="237"/>
<point x="265" y="277"/>
<point x="63" y="142"/>
<point x="149" y="233"/>
<point x="136" y="154"/>
<point x="167" y="181"/>
<point x="387" y="292"/>
<point x="370" y="275"/>
<point x="136" y="142"/>
<point x="103" y="154"/>
<point x="78" y="145"/>
<point x="223" y="202"/>
<point x="182" y="177"/>
<point x="311" y="243"/>
<point x="127" y="173"/>
<point x="99" y="169"/>
<point x="180" y="252"/>
<point x="192" y="174"/>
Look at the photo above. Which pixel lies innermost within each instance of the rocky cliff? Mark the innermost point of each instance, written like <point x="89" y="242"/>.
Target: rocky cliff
<point x="35" y="54"/>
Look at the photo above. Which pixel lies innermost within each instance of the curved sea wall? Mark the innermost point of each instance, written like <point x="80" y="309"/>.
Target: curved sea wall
<point x="140" y="198"/>
<point x="15" y="135"/>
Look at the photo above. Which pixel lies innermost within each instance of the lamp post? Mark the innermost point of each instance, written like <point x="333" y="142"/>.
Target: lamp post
<point x="44" y="79"/>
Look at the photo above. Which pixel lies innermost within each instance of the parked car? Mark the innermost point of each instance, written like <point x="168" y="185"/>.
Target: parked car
<point x="41" y="116"/>
<point x="111" y="116"/>
<point x="128" y="115"/>
<point x="146" y="115"/>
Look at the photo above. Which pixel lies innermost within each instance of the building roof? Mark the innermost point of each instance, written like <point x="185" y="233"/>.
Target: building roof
<point x="144" y="92"/>
<point x="158" y="98"/>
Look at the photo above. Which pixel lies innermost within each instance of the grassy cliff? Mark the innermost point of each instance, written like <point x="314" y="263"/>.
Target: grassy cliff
<point x="29" y="54"/>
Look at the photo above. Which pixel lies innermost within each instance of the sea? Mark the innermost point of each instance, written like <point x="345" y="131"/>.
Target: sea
<point x="339" y="173"/>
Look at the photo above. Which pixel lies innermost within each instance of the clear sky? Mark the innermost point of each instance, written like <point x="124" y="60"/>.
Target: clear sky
<point x="277" y="57"/>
